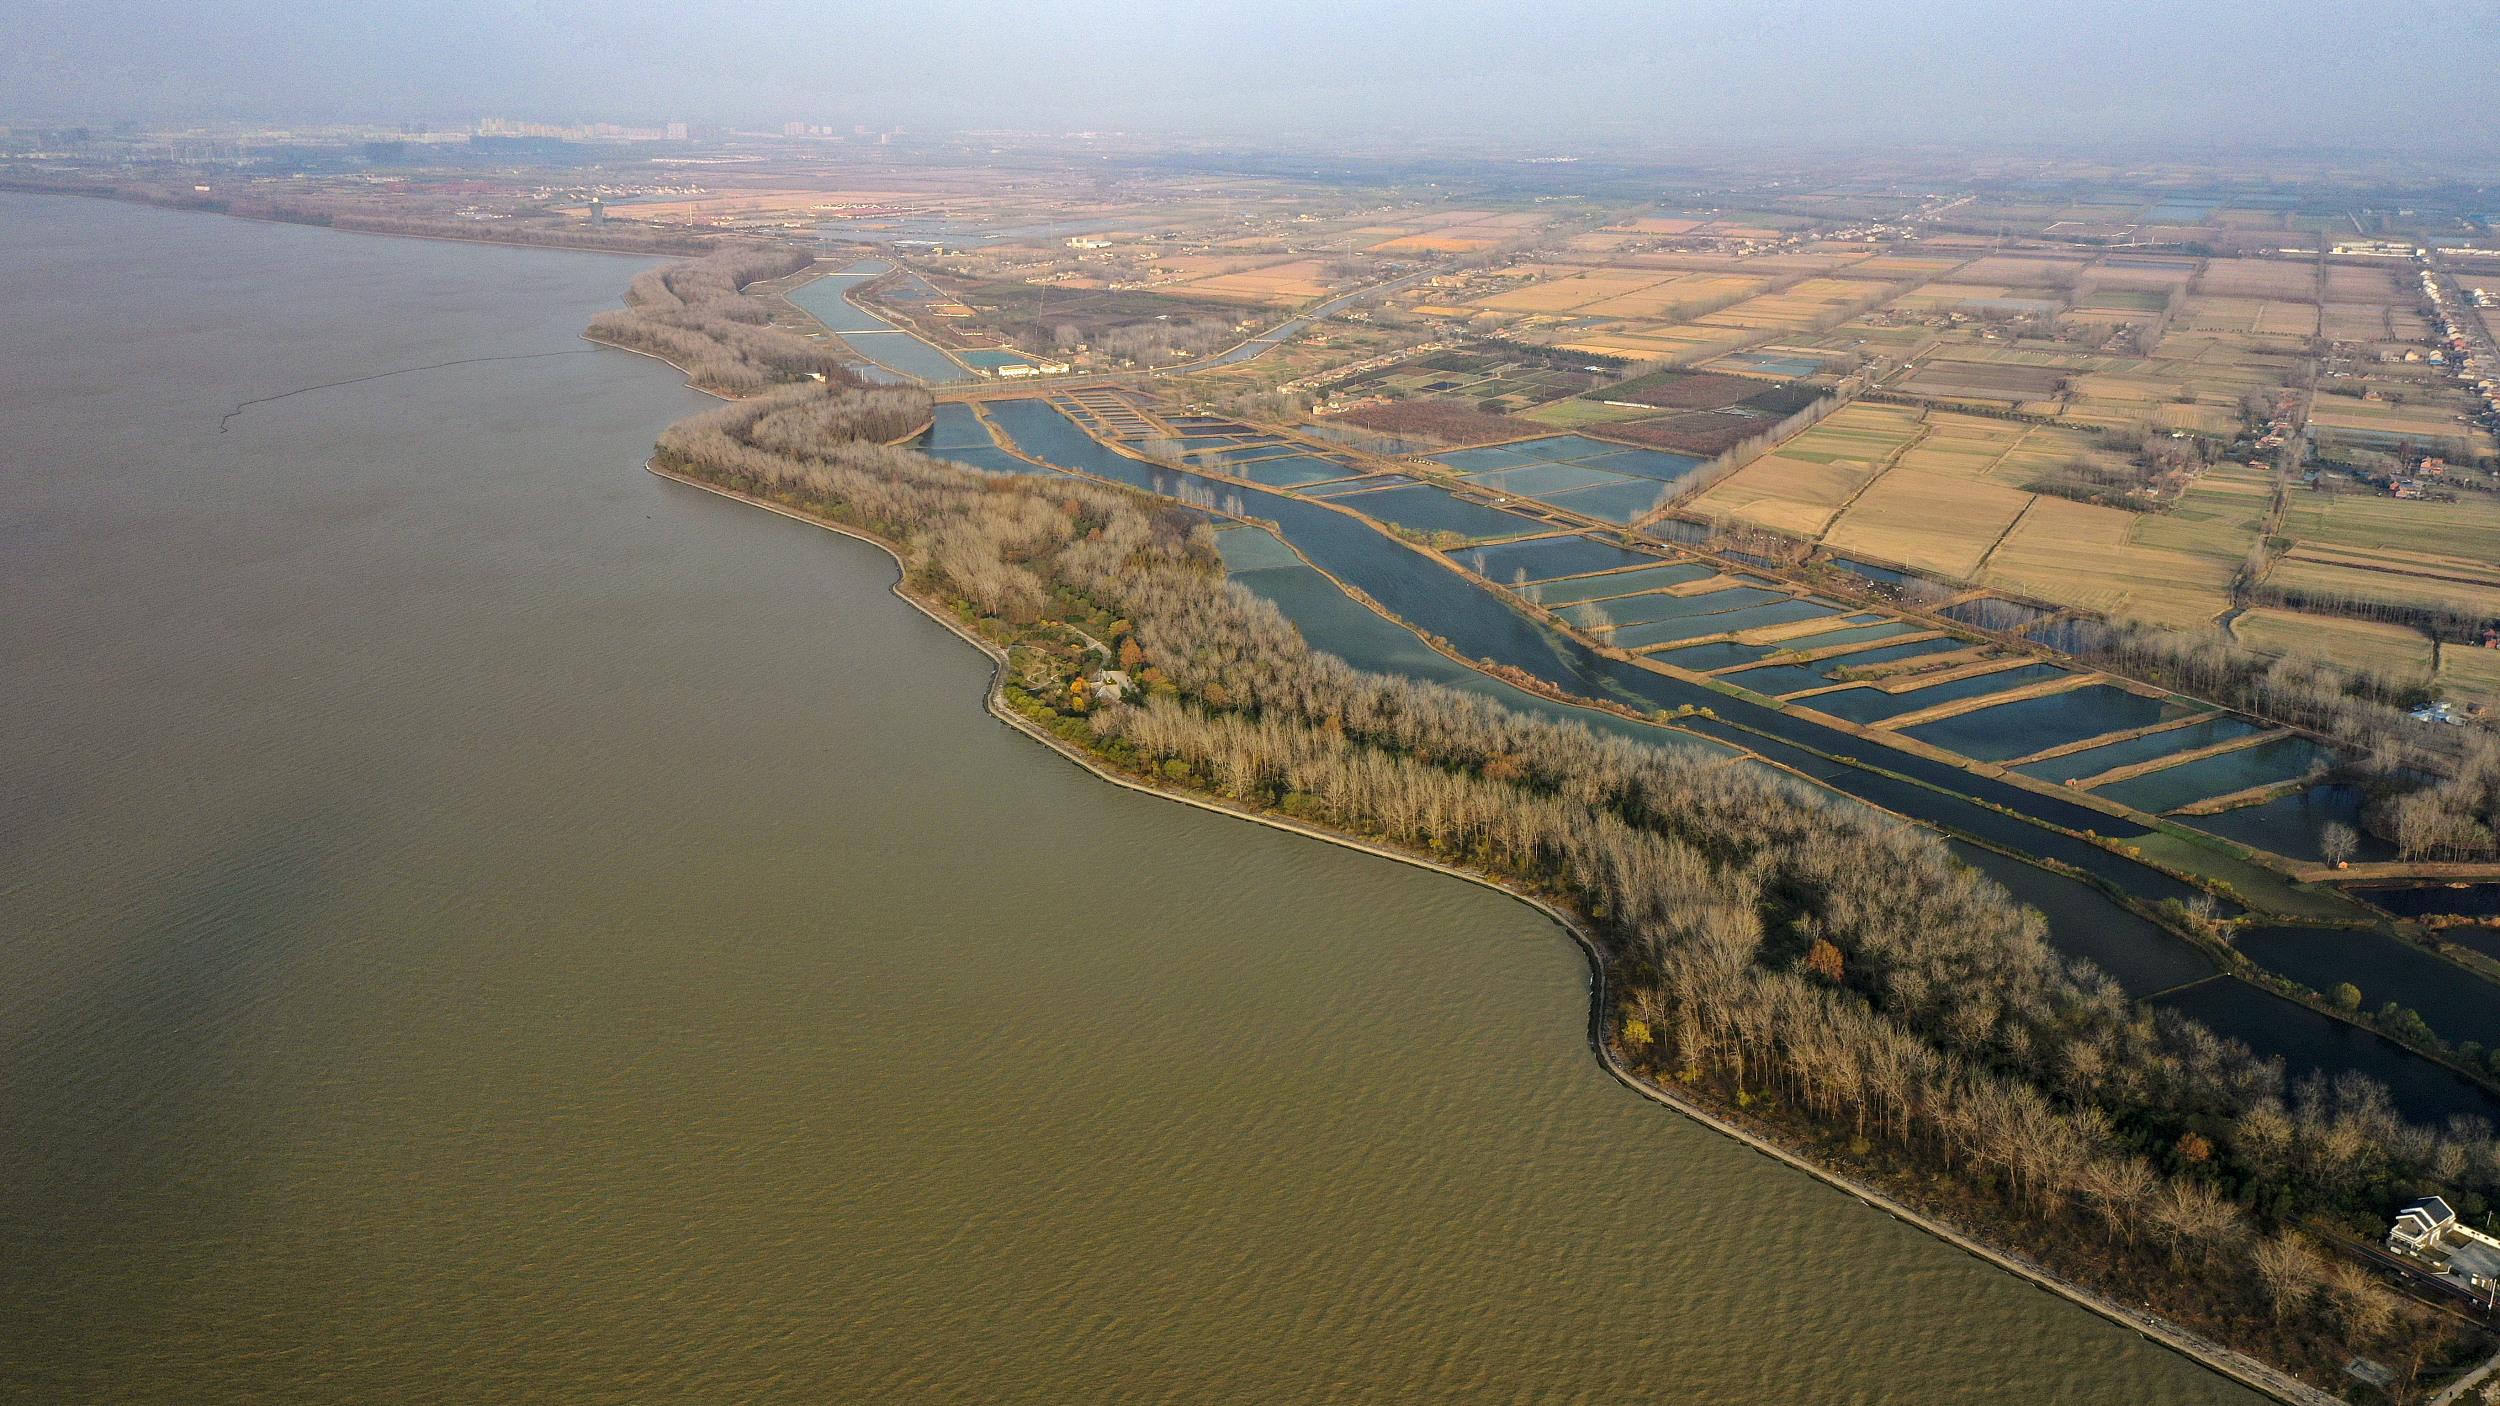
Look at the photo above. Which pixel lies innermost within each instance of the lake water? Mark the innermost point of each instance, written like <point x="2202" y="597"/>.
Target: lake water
<point x="486" y="924"/>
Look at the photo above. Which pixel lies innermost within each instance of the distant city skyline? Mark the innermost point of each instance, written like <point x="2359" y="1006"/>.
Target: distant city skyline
<point x="2213" y="73"/>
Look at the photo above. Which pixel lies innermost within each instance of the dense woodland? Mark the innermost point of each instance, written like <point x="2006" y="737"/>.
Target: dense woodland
<point x="1823" y="969"/>
<point x="698" y="315"/>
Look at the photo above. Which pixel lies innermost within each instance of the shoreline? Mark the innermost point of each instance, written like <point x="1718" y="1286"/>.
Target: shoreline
<point x="174" y="207"/>
<point x="2236" y="1366"/>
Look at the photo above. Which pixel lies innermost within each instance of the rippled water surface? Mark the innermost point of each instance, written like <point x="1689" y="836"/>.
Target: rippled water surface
<point x="485" y="924"/>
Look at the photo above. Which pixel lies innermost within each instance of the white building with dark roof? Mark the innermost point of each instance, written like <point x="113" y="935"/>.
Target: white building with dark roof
<point x="2428" y="1229"/>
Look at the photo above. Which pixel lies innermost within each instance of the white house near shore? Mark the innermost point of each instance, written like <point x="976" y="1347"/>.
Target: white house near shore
<point x="2429" y="1229"/>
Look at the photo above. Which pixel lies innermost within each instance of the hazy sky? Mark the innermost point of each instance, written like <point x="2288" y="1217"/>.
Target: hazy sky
<point x="1703" y="71"/>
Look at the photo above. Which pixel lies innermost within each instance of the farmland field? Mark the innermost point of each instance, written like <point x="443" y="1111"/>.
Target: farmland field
<point x="2469" y="673"/>
<point x="2397" y="651"/>
<point x="1930" y="521"/>
<point x="2468" y="530"/>
<point x="2087" y="556"/>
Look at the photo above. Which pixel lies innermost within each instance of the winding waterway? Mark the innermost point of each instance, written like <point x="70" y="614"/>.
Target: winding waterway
<point x="484" y="923"/>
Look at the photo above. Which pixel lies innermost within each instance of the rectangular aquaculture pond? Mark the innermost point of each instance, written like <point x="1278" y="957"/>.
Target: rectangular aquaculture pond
<point x="1724" y="654"/>
<point x="1642" y="610"/>
<point x="1615" y="583"/>
<point x="1780" y="612"/>
<point x="2434" y="900"/>
<point x="1623" y="501"/>
<point x="1866" y="704"/>
<point x="1290" y="470"/>
<point x="1545" y="557"/>
<point x="1360" y="485"/>
<point x="1652" y="464"/>
<point x="959" y="437"/>
<point x="2266" y="764"/>
<point x="1868" y="658"/>
<point x="1777" y="679"/>
<point x="2092" y="761"/>
<point x="1424" y="508"/>
<point x="2030" y="725"/>
<point x="2294" y="825"/>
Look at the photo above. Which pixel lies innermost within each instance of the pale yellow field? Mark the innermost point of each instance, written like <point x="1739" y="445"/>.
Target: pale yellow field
<point x="2347" y="577"/>
<point x="1185" y="267"/>
<point x="1787" y="495"/>
<point x="1654" y="300"/>
<point x="1896" y="267"/>
<point x="1967" y="446"/>
<point x="2158" y="279"/>
<point x="1864" y="431"/>
<point x="1650" y="343"/>
<point x="2398" y="651"/>
<point x="2354" y="283"/>
<point x="2357" y="322"/>
<point x="2081" y="555"/>
<point x="1934" y="522"/>
<point x="2259" y="278"/>
<point x="1435" y="244"/>
<point x="2433" y="420"/>
<point x="1830" y="261"/>
<point x="2219" y="517"/>
<point x="2018" y="270"/>
<point x="2213" y="314"/>
<point x="1274" y="283"/>
<point x="2045" y="447"/>
<point x="2286" y="319"/>
<point x="2468" y="673"/>
<point x="1573" y="291"/>
<point x="1791" y="308"/>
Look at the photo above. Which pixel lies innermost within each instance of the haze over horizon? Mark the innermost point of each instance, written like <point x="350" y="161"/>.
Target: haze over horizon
<point x="1703" y="72"/>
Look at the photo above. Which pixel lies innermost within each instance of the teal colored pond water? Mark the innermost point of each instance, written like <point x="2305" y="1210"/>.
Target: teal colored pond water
<point x="2031" y="725"/>
<point x="827" y="299"/>
<point x="1615" y="583"/>
<point x="1866" y="704"/>
<point x="1546" y="557"/>
<point x="1424" y="508"/>
<point x="2092" y="761"/>
<point x="959" y="437"/>
<point x="2265" y="764"/>
<point x="1643" y="610"/>
<point x="1779" y="612"/>
<point x="1622" y="502"/>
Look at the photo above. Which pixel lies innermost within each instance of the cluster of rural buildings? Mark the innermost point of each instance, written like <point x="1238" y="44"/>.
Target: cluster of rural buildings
<point x="2460" y="344"/>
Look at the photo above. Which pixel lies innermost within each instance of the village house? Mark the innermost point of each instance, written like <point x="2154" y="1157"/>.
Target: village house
<point x="2428" y="1230"/>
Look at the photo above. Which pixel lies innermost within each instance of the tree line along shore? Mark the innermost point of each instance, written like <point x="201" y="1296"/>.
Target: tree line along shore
<point x="1823" y="972"/>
